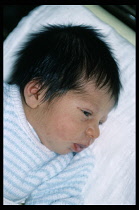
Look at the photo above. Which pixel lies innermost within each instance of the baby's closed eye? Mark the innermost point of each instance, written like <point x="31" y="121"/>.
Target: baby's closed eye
<point x="86" y="113"/>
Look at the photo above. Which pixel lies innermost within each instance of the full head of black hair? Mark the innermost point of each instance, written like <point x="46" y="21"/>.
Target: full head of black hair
<point x="64" y="57"/>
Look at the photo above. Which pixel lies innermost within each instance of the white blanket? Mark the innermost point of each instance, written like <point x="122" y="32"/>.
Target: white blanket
<point x="113" y="179"/>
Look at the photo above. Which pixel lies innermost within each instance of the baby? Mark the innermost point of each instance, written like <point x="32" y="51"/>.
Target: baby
<point x="64" y="83"/>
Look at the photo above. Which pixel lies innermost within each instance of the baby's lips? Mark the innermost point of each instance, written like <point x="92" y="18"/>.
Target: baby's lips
<point x="78" y="147"/>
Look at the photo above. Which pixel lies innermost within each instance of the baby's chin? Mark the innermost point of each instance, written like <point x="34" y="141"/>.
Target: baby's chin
<point x="63" y="152"/>
<point x="58" y="150"/>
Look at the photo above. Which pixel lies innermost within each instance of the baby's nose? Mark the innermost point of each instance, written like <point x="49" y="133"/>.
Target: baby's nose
<point x="93" y="133"/>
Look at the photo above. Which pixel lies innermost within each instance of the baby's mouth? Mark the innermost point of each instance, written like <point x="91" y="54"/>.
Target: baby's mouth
<point x="78" y="147"/>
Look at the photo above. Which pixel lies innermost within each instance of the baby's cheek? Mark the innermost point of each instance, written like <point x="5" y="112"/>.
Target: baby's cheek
<point x="66" y="130"/>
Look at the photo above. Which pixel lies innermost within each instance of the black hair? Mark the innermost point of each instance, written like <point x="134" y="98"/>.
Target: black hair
<point x="63" y="57"/>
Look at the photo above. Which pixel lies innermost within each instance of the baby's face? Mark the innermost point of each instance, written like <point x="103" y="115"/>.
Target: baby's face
<point x="71" y="123"/>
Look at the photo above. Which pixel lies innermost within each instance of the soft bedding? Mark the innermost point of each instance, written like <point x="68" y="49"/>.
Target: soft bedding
<point x="112" y="181"/>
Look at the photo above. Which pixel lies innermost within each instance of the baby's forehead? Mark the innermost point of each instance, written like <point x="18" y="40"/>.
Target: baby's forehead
<point x="97" y="97"/>
<point x="90" y="89"/>
<point x="89" y="96"/>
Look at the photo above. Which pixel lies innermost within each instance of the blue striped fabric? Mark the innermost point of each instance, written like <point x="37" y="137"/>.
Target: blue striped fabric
<point x="33" y="174"/>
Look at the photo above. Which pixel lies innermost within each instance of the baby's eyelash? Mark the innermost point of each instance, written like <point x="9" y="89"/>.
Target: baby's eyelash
<point x="86" y="113"/>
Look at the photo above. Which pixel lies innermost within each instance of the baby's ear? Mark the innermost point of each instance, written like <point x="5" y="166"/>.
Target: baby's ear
<point x="32" y="96"/>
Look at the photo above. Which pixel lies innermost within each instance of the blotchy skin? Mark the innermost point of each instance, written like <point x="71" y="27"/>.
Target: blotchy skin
<point x="70" y="122"/>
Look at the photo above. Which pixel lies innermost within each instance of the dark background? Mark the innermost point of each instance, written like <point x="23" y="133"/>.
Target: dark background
<point x="12" y="14"/>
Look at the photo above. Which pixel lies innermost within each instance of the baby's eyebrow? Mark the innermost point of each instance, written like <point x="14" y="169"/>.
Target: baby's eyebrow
<point x="94" y="107"/>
